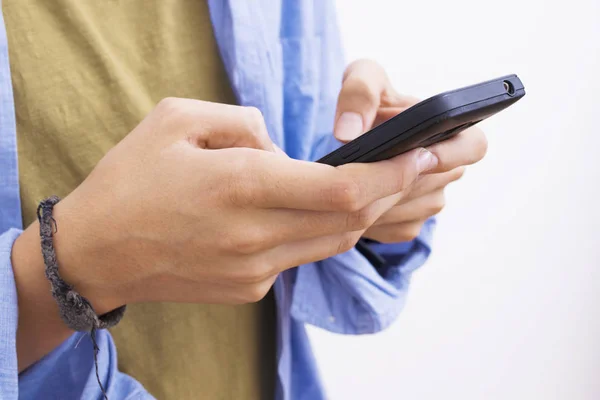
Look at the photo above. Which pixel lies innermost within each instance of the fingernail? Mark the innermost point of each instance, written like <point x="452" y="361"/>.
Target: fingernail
<point x="349" y="126"/>
<point x="426" y="161"/>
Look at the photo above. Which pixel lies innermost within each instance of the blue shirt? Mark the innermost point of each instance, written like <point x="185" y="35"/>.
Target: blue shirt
<point x="284" y="57"/>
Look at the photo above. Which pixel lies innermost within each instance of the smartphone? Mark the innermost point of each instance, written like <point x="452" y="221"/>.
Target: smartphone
<point x="438" y="118"/>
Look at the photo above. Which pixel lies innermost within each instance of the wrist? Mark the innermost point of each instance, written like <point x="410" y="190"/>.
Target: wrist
<point x="36" y="305"/>
<point x="79" y="264"/>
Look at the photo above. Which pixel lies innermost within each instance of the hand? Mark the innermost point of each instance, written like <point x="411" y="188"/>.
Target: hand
<point x="195" y="205"/>
<point x="366" y="100"/>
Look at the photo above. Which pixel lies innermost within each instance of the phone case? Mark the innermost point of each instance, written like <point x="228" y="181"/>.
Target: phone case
<point x="430" y="121"/>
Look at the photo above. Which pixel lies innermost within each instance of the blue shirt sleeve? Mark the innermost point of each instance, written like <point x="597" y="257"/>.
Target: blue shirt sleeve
<point x="8" y="319"/>
<point x="68" y="371"/>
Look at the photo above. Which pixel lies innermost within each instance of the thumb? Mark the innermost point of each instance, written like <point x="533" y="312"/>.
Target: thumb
<point x="360" y="97"/>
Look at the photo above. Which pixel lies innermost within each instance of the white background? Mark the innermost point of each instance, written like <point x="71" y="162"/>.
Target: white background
<point x="508" y="307"/>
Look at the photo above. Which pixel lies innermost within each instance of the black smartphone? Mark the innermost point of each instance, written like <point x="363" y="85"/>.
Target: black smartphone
<point x="438" y="118"/>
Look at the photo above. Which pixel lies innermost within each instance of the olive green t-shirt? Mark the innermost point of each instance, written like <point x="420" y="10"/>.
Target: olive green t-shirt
<point x="85" y="73"/>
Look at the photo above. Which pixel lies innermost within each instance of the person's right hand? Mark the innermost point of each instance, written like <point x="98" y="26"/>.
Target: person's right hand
<point x="195" y="205"/>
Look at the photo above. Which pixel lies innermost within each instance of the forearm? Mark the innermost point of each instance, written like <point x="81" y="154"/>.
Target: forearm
<point x="40" y="328"/>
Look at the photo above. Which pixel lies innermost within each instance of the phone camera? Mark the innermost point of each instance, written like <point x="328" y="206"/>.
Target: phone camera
<point x="508" y="86"/>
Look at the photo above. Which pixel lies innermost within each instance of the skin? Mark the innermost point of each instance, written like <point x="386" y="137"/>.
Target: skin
<point x="197" y="205"/>
<point x="368" y="99"/>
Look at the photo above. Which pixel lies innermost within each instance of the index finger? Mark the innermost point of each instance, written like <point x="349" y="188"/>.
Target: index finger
<point x="273" y="181"/>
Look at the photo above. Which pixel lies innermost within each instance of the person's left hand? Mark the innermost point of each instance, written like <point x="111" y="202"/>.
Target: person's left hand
<point x="366" y="100"/>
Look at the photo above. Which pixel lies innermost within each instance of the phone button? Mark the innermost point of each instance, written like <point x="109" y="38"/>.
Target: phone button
<point x="352" y="149"/>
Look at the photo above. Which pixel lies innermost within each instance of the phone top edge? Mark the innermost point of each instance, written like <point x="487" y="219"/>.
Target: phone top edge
<point x="435" y="107"/>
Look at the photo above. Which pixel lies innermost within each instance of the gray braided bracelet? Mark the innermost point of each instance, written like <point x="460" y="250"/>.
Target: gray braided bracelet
<point x="75" y="310"/>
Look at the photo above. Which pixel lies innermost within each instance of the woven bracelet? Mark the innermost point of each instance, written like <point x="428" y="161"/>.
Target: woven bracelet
<point x="75" y="310"/>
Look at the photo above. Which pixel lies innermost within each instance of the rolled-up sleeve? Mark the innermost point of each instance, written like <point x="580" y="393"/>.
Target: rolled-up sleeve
<point x="346" y="294"/>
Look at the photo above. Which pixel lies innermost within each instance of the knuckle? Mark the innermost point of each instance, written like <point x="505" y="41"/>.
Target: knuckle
<point x="168" y="105"/>
<point x="358" y="90"/>
<point x="346" y="196"/>
<point x="362" y="62"/>
<point x="254" y="119"/>
<point x="255" y="293"/>
<point x="360" y="219"/>
<point x="247" y="242"/>
<point x="246" y="246"/>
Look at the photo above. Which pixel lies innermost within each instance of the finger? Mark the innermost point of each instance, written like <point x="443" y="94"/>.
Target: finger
<point x="236" y="127"/>
<point x="364" y="83"/>
<point x="393" y="104"/>
<point x="217" y="126"/>
<point x="301" y="252"/>
<point x="285" y="225"/>
<point x="294" y="254"/>
<point x="404" y="232"/>
<point x="385" y="114"/>
<point x="466" y="148"/>
<point x="429" y="183"/>
<point x="271" y="181"/>
<point x="416" y="209"/>
<point x="392" y="99"/>
<point x="270" y="228"/>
